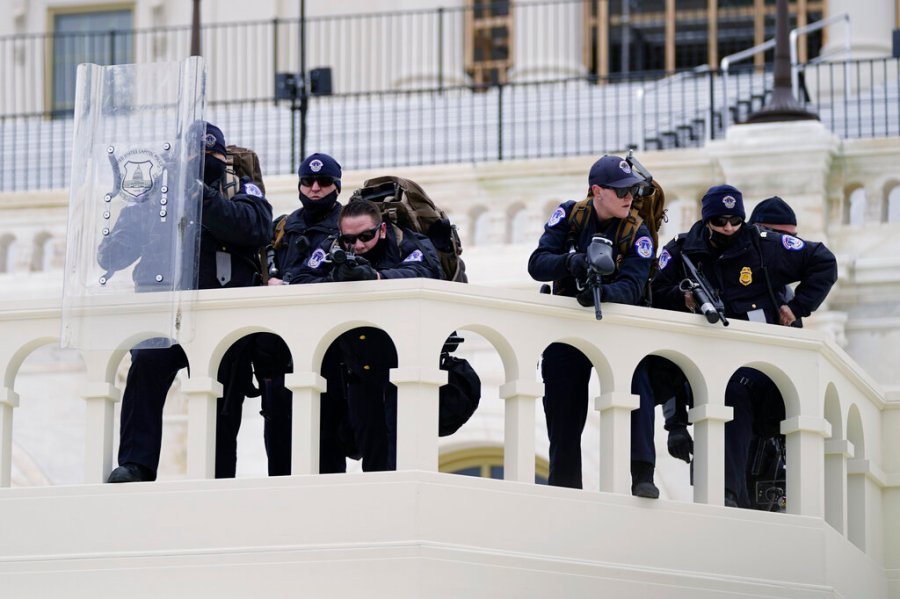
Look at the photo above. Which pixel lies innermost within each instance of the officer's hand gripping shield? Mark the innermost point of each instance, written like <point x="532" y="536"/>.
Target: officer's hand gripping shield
<point x="134" y="205"/>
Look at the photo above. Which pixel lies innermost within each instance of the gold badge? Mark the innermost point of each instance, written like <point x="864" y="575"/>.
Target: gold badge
<point x="746" y="276"/>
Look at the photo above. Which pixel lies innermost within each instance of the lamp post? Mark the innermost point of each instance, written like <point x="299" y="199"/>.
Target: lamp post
<point x="783" y="106"/>
<point x="195" y="29"/>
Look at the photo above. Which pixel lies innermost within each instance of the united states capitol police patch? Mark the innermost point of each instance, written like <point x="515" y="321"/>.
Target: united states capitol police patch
<point x="664" y="258"/>
<point x="252" y="190"/>
<point x="792" y="243"/>
<point x="414" y="256"/>
<point x="557" y="216"/>
<point x="644" y="247"/>
<point x="316" y="259"/>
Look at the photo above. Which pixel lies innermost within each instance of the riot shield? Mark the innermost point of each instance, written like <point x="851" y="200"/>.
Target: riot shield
<point x="134" y="205"/>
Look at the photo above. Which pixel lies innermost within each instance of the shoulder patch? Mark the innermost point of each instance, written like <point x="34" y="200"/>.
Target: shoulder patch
<point x="316" y="259"/>
<point x="792" y="243"/>
<point x="252" y="190"/>
<point x="664" y="258"/>
<point x="415" y="256"/>
<point x="556" y="217"/>
<point x="644" y="247"/>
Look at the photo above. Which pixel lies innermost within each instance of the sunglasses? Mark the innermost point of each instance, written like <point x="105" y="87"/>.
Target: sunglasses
<point x="621" y="192"/>
<point x="348" y="240"/>
<point x="322" y="181"/>
<point x="721" y="221"/>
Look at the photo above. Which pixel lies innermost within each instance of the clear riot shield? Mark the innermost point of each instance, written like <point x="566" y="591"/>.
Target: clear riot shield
<point x="134" y="205"/>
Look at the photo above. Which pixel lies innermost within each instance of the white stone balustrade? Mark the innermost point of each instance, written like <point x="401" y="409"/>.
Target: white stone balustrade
<point x="833" y="483"/>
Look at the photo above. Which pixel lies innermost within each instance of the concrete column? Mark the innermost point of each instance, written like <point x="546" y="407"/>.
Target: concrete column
<point x="791" y="160"/>
<point x="615" y="440"/>
<point x="433" y="36"/>
<point x="101" y="401"/>
<point x="417" y="416"/>
<point x="8" y="400"/>
<point x="306" y="402"/>
<point x="837" y="452"/>
<point x="519" y="436"/>
<point x="709" y="451"/>
<point x="547" y="42"/>
<point x="805" y="447"/>
<point x="864" y="521"/>
<point x="202" y="393"/>
<point x="871" y="24"/>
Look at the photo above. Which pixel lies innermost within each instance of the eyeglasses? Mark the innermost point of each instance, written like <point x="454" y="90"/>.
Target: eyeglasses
<point x="621" y="192"/>
<point x="721" y="221"/>
<point x="347" y="240"/>
<point x="322" y="181"/>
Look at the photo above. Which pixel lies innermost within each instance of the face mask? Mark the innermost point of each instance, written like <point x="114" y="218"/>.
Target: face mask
<point x="213" y="170"/>
<point x="721" y="240"/>
<point x="317" y="209"/>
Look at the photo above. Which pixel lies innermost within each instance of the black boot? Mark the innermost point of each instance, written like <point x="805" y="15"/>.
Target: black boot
<point x="642" y="480"/>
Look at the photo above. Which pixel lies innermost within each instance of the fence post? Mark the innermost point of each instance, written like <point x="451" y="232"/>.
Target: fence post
<point x="275" y="57"/>
<point x="710" y="130"/>
<point x="440" y="48"/>
<point x="499" y="121"/>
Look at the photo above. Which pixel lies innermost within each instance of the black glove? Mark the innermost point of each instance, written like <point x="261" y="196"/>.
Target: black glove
<point x="209" y="193"/>
<point x="577" y="265"/>
<point x="681" y="446"/>
<point x="585" y="297"/>
<point x="361" y="271"/>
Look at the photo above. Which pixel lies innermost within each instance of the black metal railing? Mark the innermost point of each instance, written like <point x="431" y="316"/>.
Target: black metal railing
<point x="454" y="124"/>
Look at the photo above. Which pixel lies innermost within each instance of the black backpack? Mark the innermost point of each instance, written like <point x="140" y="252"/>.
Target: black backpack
<point x="405" y="204"/>
<point x="460" y="396"/>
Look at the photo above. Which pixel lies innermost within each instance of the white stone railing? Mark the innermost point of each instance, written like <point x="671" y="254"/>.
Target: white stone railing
<point x="837" y="419"/>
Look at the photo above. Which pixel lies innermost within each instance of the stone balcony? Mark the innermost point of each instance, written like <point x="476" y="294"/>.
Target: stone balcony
<point x="420" y="533"/>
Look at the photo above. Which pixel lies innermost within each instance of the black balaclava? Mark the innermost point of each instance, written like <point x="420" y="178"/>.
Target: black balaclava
<point x="721" y="240"/>
<point x="213" y="170"/>
<point x="316" y="210"/>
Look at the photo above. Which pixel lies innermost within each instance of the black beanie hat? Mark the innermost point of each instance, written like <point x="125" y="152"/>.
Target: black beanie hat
<point x="773" y="211"/>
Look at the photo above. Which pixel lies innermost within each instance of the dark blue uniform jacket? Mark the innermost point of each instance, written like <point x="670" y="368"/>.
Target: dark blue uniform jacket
<point x="548" y="261"/>
<point x="738" y="273"/>
<point x="413" y="256"/>
<point x="237" y="227"/>
<point x="305" y="245"/>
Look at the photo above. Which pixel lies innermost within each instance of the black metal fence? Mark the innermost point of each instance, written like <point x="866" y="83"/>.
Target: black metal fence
<point x="456" y="124"/>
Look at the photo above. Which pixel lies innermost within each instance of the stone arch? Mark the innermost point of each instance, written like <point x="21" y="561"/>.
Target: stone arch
<point x="226" y="341"/>
<point x="7" y="252"/>
<point x="19" y="356"/>
<point x="41" y="252"/>
<point x="891" y="205"/>
<point x="854" y="207"/>
<point x="833" y="412"/>
<point x="33" y="373"/>
<point x="599" y="361"/>
<point x="835" y="463"/>
<point x="517" y="224"/>
<point x="479" y="219"/>
<point x="855" y="433"/>
<point x="856" y="481"/>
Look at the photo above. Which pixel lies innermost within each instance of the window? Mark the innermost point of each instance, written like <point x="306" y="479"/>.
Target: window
<point x="489" y="38"/>
<point x="103" y="37"/>
<point x="487" y="462"/>
<point x="7" y="253"/>
<point x="893" y="206"/>
<point x="856" y="207"/>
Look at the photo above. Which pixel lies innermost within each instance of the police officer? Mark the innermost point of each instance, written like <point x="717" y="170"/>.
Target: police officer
<point x="232" y="232"/>
<point x="380" y="251"/>
<point x="299" y="257"/>
<point x="775" y="214"/>
<point x="560" y="257"/>
<point x="747" y="266"/>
